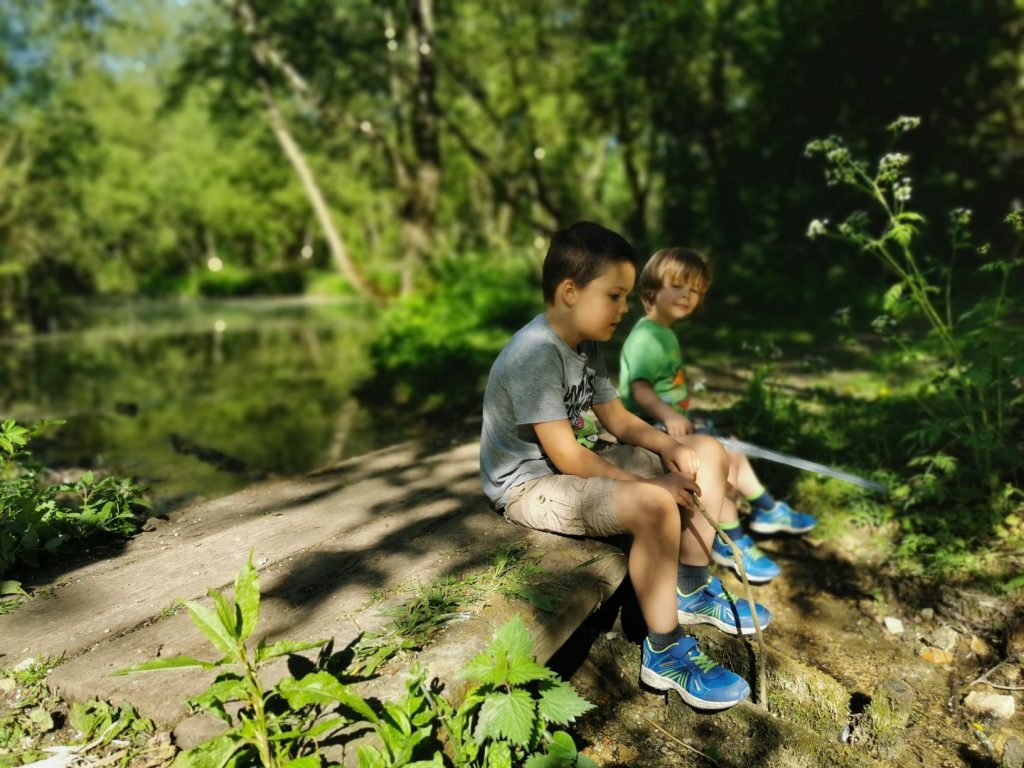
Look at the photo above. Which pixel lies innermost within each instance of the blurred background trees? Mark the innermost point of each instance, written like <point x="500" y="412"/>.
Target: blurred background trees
<point x="170" y="147"/>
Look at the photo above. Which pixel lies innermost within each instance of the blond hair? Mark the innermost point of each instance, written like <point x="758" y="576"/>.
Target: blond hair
<point x="670" y="262"/>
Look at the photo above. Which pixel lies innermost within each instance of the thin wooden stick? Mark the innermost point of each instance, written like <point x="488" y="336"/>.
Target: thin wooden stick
<point x="679" y="741"/>
<point x="762" y="675"/>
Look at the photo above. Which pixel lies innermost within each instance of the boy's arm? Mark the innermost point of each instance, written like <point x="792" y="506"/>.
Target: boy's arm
<point x="633" y="430"/>
<point x="645" y="396"/>
<point x="571" y="458"/>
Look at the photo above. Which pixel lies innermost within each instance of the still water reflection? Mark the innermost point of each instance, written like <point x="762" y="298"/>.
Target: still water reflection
<point x="201" y="398"/>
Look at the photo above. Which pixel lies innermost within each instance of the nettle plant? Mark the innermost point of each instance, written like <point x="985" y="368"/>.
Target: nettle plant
<point x="39" y="519"/>
<point x="973" y="395"/>
<point x="504" y="721"/>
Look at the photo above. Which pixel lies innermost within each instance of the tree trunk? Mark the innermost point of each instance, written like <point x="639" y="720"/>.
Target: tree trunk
<point x="267" y="57"/>
<point x="339" y="254"/>
<point x="419" y="207"/>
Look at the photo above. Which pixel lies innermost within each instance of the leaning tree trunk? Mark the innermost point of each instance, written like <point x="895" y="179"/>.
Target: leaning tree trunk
<point x="267" y="57"/>
<point x="339" y="253"/>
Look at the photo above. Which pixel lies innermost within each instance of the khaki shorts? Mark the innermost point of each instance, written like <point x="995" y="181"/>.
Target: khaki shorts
<point x="578" y="506"/>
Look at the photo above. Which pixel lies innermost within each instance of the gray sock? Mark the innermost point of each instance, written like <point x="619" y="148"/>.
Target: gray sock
<point x="691" y="578"/>
<point x="662" y="640"/>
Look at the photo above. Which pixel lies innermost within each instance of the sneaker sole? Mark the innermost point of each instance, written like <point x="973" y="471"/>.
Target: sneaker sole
<point x="777" y="528"/>
<point x="729" y="629"/>
<point x="728" y="562"/>
<point x="651" y="678"/>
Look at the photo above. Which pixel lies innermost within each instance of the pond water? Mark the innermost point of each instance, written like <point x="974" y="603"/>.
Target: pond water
<point x="201" y="398"/>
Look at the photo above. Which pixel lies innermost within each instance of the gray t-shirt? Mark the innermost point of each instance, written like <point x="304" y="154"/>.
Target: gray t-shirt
<point x="536" y="378"/>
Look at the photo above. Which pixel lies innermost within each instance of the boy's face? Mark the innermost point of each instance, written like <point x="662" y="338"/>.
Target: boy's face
<point x="677" y="298"/>
<point x="599" y="306"/>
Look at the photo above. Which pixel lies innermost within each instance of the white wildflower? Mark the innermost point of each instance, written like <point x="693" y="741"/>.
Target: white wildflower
<point x="817" y="228"/>
<point x="904" y="123"/>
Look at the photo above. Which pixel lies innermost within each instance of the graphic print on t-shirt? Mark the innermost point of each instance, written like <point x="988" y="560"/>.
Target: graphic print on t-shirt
<point x="579" y="398"/>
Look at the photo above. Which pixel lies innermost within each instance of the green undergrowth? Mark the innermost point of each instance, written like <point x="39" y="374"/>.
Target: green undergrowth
<point x="935" y="517"/>
<point x="39" y="519"/>
<point x="508" y="717"/>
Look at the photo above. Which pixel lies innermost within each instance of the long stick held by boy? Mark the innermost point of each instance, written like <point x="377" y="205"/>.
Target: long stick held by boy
<point x="543" y="466"/>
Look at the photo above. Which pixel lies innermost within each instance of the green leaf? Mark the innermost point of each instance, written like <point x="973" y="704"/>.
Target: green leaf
<point x="10" y="587"/>
<point x="537" y="598"/>
<point x="214" y="753"/>
<point x="247" y="597"/>
<point x="228" y="688"/>
<point x="506" y="716"/>
<point x="525" y="670"/>
<point x="562" y="746"/>
<point x="227" y="614"/>
<point x="324" y="689"/>
<point x="283" y="648"/>
<point x="499" y="755"/>
<point x="559" y="702"/>
<point x="174" y="662"/>
<point x="370" y="757"/>
<point x="210" y="625"/>
<point x="514" y="638"/>
<point x="41" y="719"/>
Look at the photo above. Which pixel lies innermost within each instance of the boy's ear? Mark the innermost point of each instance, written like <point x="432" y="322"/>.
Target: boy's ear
<point x="566" y="291"/>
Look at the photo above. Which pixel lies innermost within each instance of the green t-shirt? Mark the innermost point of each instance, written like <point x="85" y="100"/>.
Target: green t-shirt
<point x="652" y="353"/>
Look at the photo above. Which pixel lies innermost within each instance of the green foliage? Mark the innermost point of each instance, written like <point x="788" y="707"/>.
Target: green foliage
<point x="435" y="347"/>
<point x="261" y="730"/>
<point x="38" y="520"/>
<point x="963" y="444"/>
<point x="26" y="717"/>
<point x="282" y="725"/>
<point x="506" y="717"/>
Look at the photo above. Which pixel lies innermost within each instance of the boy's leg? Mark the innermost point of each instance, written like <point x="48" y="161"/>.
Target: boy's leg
<point x="756" y="564"/>
<point x="695" y="544"/>
<point x="768" y="515"/>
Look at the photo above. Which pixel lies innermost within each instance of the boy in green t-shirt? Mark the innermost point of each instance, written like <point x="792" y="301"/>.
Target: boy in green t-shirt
<point x="652" y="383"/>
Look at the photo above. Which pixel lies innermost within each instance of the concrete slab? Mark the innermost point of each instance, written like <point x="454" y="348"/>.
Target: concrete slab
<point x="323" y="544"/>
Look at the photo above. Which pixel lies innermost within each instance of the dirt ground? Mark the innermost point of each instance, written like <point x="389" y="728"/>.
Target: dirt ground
<point x="829" y="612"/>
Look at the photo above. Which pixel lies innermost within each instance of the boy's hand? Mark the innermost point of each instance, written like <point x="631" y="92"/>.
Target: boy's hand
<point x="678" y="425"/>
<point x="682" y="489"/>
<point x="681" y="459"/>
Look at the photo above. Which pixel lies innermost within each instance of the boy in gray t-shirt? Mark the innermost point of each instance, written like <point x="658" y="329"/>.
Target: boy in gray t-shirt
<point x="542" y="465"/>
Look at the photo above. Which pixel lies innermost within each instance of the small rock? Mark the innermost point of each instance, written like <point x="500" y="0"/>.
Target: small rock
<point x="994" y="705"/>
<point x="980" y="648"/>
<point x="927" y="614"/>
<point x="25" y="664"/>
<point x="893" y="625"/>
<point x="7" y="684"/>
<point x="945" y="637"/>
<point x="1011" y="673"/>
<point x="1013" y="753"/>
<point x="936" y="656"/>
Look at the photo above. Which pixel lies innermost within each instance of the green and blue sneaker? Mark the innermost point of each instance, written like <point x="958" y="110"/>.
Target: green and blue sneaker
<point x="714" y="604"/>
<point x="683" y="668"/>
<point x="759" y="567"/>
<point x="780" y="519"/>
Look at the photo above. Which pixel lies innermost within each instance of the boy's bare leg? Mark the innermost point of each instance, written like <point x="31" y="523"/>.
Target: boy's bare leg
<point x="651" y="516"/>
<point x="698" y="533"/>
<point x="742" y="475"/>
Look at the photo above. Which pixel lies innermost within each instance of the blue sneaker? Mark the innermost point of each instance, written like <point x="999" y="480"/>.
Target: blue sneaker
<point x="781" y="518"/>
<point x="713" y="604"/>
<point x="759" y="567"/>
<point x="683" y="668"/>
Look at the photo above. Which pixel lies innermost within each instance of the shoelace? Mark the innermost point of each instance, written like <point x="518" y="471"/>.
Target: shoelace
<point x="697" y="657"/>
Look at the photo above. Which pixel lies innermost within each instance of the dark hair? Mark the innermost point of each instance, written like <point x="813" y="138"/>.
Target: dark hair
<point x="667" y="262"/>
<point x="581" y="253"/>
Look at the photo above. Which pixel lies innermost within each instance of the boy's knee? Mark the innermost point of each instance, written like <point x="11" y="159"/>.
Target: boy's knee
<point x="713" y="456"/>
<point x="651" y="507"/>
